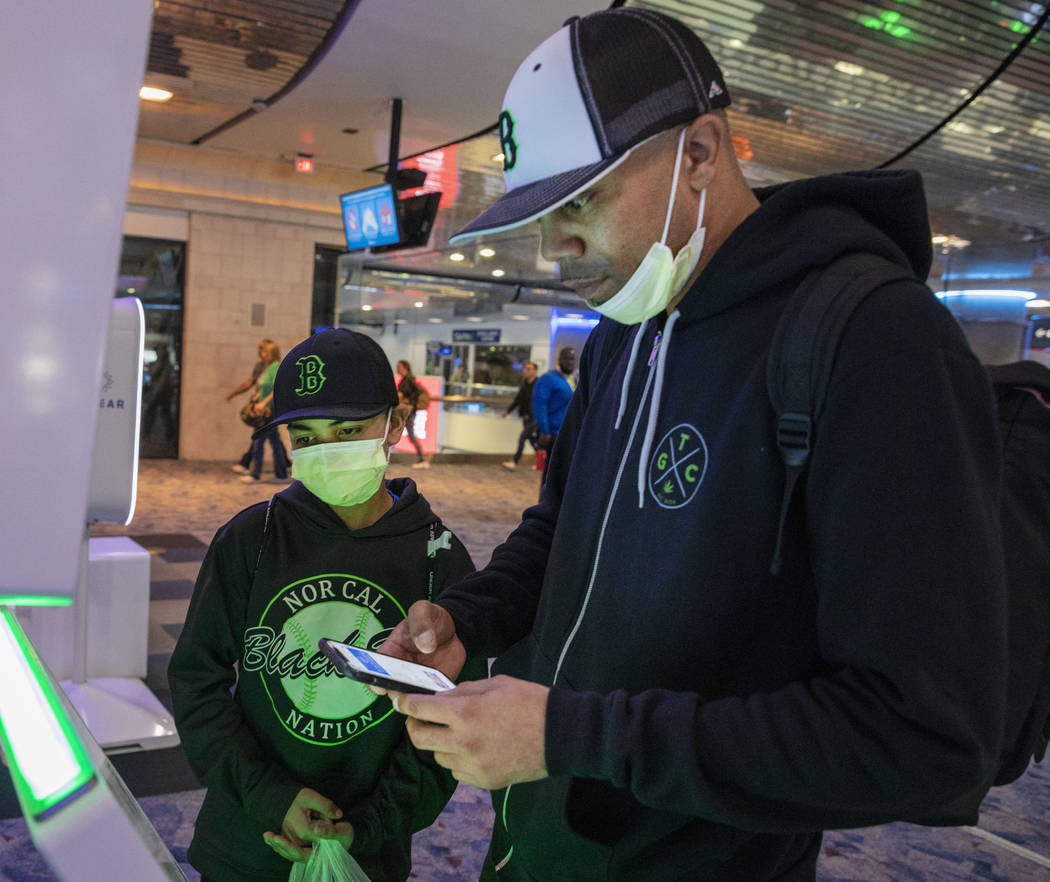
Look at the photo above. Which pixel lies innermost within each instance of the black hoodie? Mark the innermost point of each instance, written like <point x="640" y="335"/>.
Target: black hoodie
<point x="708" y="719"/>
<point x="293" y="721"/>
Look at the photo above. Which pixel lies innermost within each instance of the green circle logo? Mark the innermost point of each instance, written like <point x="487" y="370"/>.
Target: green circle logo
<point x="678" y="466"/>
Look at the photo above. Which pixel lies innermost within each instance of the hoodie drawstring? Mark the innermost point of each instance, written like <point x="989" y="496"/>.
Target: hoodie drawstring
<point x="630" y="370"/>
<point x="654" y="405"/>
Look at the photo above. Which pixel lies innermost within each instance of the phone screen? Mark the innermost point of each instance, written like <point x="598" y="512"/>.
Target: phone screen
<point x="385" y="670"/>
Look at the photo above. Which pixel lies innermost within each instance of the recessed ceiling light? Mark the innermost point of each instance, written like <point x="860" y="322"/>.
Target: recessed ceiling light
<point x="939" y="240"/>
<point x="418" y="304"/>
<point x="498" y="157"/>
<point x="475" y="318"/>
<point x="434" y="321"/>
<point x="520" y="318"/>
<point x="849" y="68"/>
<point x="456" y="256"/>
<point x="498" y="272"/>
<point x="366" y="307"/>
<point x="400" y="321"/>
<point x="487" y="252"/>
<point x="152" y="93"/>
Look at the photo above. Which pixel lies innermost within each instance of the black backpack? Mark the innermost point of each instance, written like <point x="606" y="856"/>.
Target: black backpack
<point x="797" y="373"/>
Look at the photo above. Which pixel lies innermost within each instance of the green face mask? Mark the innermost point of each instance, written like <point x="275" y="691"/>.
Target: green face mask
<point x="343" y="472"/>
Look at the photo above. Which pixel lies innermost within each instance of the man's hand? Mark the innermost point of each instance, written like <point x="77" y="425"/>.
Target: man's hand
<point x="488" y="733"/>
<point x="545" y="440"/>
<point x="426" y="636"/>
<point x="310" y="817"/>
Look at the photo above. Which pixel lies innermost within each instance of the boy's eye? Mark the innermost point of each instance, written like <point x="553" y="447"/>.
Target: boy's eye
<point x="578" y="202"/>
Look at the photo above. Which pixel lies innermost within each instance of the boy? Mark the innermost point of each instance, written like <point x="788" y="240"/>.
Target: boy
<point x="297" y="752"/>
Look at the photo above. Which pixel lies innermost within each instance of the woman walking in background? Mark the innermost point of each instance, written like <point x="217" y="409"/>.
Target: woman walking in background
<point x="271" y="356"/>
<point x="410" y="392"/>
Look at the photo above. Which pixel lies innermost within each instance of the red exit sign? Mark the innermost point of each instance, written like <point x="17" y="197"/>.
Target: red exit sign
<point x="304" y="163"/>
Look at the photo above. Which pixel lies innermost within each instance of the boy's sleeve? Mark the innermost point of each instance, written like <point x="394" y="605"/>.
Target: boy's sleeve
<point x="220" y="747"/>
<point x="410" y="795"/>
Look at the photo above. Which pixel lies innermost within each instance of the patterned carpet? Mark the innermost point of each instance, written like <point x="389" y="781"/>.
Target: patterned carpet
<point x="181" y="504"/>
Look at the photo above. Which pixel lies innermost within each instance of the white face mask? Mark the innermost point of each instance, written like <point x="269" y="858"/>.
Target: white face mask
<point x="342" y="472"/>
<point x="659" y="277"/>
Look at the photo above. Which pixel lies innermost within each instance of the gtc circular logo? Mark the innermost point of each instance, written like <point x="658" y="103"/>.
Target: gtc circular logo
<point x="677" y="468"/>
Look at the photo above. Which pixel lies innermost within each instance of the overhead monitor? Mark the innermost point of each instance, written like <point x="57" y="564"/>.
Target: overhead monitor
<point x="415" y="217"/>
<point x="370" y="217"/>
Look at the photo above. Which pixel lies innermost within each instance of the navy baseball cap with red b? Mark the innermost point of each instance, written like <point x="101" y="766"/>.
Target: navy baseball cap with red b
<point x="335" y="374"/>
<point x="584" y="98"/>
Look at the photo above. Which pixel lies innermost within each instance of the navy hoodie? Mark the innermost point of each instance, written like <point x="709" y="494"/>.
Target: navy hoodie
<point x="707" y="719"/>
<point x="293" y="720"/>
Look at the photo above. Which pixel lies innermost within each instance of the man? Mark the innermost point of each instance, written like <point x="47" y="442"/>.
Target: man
<point x="550" y="398"/>
<point x="294" y="751"/>
<point x="522" y="403"/>
<point x="665" y="708"/>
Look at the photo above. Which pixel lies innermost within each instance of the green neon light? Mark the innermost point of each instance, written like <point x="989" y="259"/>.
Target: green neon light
<point x="1019" y="27"/>
<point x="887" y="22"/>
<point x="45" y="756"/>
<point x="33" y="600"/>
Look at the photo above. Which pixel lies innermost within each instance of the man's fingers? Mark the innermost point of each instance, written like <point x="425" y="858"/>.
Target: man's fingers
<point x="426" y="626"/>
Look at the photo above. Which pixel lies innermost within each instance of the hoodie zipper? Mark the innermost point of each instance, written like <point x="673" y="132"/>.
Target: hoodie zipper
<point x="597" y="558"/>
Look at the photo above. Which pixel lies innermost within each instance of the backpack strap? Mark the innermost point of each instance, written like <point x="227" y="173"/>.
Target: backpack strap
<point x="802" y="355"/>
<point x="265" y="535"/>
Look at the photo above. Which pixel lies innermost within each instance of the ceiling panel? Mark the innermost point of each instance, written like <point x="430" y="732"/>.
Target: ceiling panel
<point x="818" y="87"/>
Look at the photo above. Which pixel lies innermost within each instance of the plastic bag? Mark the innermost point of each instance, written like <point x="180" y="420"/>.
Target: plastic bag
<point x="329" y="862"/>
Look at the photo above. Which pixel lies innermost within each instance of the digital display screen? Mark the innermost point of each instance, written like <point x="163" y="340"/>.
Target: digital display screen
<point x="395" y="669"/>
<point x="370" y="217"/>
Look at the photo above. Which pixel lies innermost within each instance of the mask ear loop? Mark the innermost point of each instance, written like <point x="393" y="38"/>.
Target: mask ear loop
<point x="674" y="187"/>
<point x="389" y="447"/>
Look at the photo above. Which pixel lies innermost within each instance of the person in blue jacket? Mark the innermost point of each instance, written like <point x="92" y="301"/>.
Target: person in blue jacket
<point x="550" y="400"/>
<point x="664" y="707"/>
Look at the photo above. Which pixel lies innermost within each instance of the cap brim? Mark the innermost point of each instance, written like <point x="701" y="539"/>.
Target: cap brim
<point x="346" y="412"/>
<point x="530" y="202"/>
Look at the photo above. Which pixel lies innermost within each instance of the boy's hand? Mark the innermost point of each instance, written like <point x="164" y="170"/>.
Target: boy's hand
<point x="428" y="637"/>
<point x="310" y="817"/>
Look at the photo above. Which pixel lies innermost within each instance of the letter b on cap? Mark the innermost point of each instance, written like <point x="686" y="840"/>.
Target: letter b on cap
<point x="311" y="375"/>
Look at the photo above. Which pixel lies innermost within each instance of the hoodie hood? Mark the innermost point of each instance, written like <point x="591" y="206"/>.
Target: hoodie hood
<point x="410" y="512"/>
<point x="879" y="212"/>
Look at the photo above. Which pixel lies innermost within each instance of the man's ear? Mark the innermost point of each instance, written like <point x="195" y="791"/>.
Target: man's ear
<point x="705" y="138"/>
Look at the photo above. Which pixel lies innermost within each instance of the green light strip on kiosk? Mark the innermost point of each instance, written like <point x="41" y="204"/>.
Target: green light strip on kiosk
<point x="46" y="759"/>
<point x="33" y="600"/>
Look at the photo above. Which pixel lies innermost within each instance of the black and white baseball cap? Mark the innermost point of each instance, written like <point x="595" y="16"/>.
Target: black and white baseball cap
<point x="584" y="98"/>
<point x="334" y="374"/>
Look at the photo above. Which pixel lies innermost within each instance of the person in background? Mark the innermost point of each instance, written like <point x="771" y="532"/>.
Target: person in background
<point x="411" y="392"/>
<point x="522" y="403"/>
<point x="249" y="384"/>
<point x="671" y="699"/>
<point x="550" y="401"/>
<point x="290" y="750"/>
<point x="271" y="357"/>
<point x="161" y="392"/>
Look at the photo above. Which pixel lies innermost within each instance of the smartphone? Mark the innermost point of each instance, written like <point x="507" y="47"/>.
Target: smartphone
<point x="366" y="666"/>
